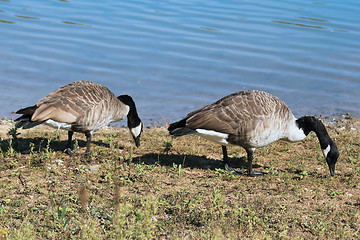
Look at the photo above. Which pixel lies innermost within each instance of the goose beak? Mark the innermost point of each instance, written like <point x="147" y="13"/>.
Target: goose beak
<point x="332" y="156"/>
<point x="137" y="141"/>
<point x="332" y="169"/>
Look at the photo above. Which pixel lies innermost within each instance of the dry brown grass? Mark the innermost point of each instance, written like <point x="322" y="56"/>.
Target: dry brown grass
<point x="176" y="188"/>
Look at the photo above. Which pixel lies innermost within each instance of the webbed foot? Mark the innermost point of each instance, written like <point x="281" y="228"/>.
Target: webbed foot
<point x="69" y="151"/>
<point x="256" y="173"/>
<point x="231" y="169"/>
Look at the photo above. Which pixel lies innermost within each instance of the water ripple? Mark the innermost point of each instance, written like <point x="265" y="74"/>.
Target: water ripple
<point x="299" y="24"/>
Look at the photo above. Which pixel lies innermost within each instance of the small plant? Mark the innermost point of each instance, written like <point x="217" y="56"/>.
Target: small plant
<point x="282" y="206"/>
<point x="224" y="174"/>
<point x="129" y="156"/>
<point x="167" y="146"/>
<point x="217" y="197"/>
<point x="217" y="202"/>
<point x="333" y="194"/>
<point x="110" y="139"/>
<point x="303" y="174"/>
<point x="76" y="146"/>
<point x="273" y="171"/>
<point x="180" y="170"/>
<point x="12" y="142"/>
<point x="10" y="151"/>
<point x="13" y="133"/>
<point x="31" y="146"/>
<point x="31" y="154"/>
<point x="220" y="171"/>
<point x="48" y="152"/>
<point x="177" y="168"/>
<point x="353" y="160"/>
<point x="61" y="213"/>
<point x="174" y="166"/>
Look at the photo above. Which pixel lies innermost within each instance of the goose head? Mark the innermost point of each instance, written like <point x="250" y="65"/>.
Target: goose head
<point x="331" y="154"/>
<point x="328" y="146"/>
<point x="134" y="122"/>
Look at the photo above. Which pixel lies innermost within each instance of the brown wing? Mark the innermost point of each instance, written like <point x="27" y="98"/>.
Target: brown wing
<point x="236" y="113"/>
<point x="70" y="102"/>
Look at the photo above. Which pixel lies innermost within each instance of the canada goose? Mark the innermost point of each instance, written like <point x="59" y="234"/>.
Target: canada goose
<point x="84" y="107"/>
<point x="253" y="119"/>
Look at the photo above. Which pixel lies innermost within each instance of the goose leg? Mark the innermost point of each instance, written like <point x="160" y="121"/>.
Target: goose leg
<point x="68" y="149"/>
<point x="252" y="172"/>
<point x="88" y="142"/>
<point x="226" y="163"/>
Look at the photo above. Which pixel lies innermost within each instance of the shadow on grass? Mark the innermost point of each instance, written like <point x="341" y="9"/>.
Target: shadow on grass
<point x="23" y="144"/>
<point x="203" y="162"/>
<point x="190" y="161"/>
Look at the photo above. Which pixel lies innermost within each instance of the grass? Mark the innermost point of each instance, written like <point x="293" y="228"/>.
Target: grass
<point x="175" y="188"/>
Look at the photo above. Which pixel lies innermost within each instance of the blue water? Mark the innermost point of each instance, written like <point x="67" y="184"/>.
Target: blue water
<point x="176" y="56"/>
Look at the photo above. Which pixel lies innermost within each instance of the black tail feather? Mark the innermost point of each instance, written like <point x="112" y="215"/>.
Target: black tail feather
<point x="179" y="129"/>
<point x="25" y="120"/>
<point x="27" y="111"/>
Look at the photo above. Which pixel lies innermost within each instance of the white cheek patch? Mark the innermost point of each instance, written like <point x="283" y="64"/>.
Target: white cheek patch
<point x="214" y="136"/>
<point x="136" y="130"/>
<point x="326" y="151"/>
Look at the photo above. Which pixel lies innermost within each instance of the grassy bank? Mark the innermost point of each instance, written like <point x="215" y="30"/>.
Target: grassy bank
<point x="175" y="188"/>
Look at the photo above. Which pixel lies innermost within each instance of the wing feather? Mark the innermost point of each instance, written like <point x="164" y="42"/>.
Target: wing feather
<point x="237" y="113"/>
<point x="71" y="102"/>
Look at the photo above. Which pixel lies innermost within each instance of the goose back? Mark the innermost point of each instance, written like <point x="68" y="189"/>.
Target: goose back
<point x="87" y="106"/>
<point x="251" y="119"/>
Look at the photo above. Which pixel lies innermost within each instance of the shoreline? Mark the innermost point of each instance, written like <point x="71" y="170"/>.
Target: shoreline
<point x="338" y="122"/>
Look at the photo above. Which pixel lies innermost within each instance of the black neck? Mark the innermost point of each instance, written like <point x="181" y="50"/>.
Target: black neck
<point x="133" y="118"/>
<point x="309" y="123"/>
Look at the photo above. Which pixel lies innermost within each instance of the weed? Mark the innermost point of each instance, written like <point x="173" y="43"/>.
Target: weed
<point x="226" y="175"/>
<point x="180" y="170"/>
<point x="31" y="153"/>
<point x="167" y="146"/>
<point x="129" y="156"/>
<point x="61" y="217"/>
<point x="303" y="174"/>
<point x="76" y="146"/>
<point x="174" y="166"/>
<point x="110" y="139"/>
<point x="333" y="194"/>
<point x="217" y="198"/>
<point x="48" y="152"/>
<point x="10" y="152"/>
<point x="13" y="133"/>
<point x="273" y="171"/>
<point x="353" y="160"/>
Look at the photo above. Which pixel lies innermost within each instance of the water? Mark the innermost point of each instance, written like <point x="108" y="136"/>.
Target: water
<point x="175" y="56"/>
